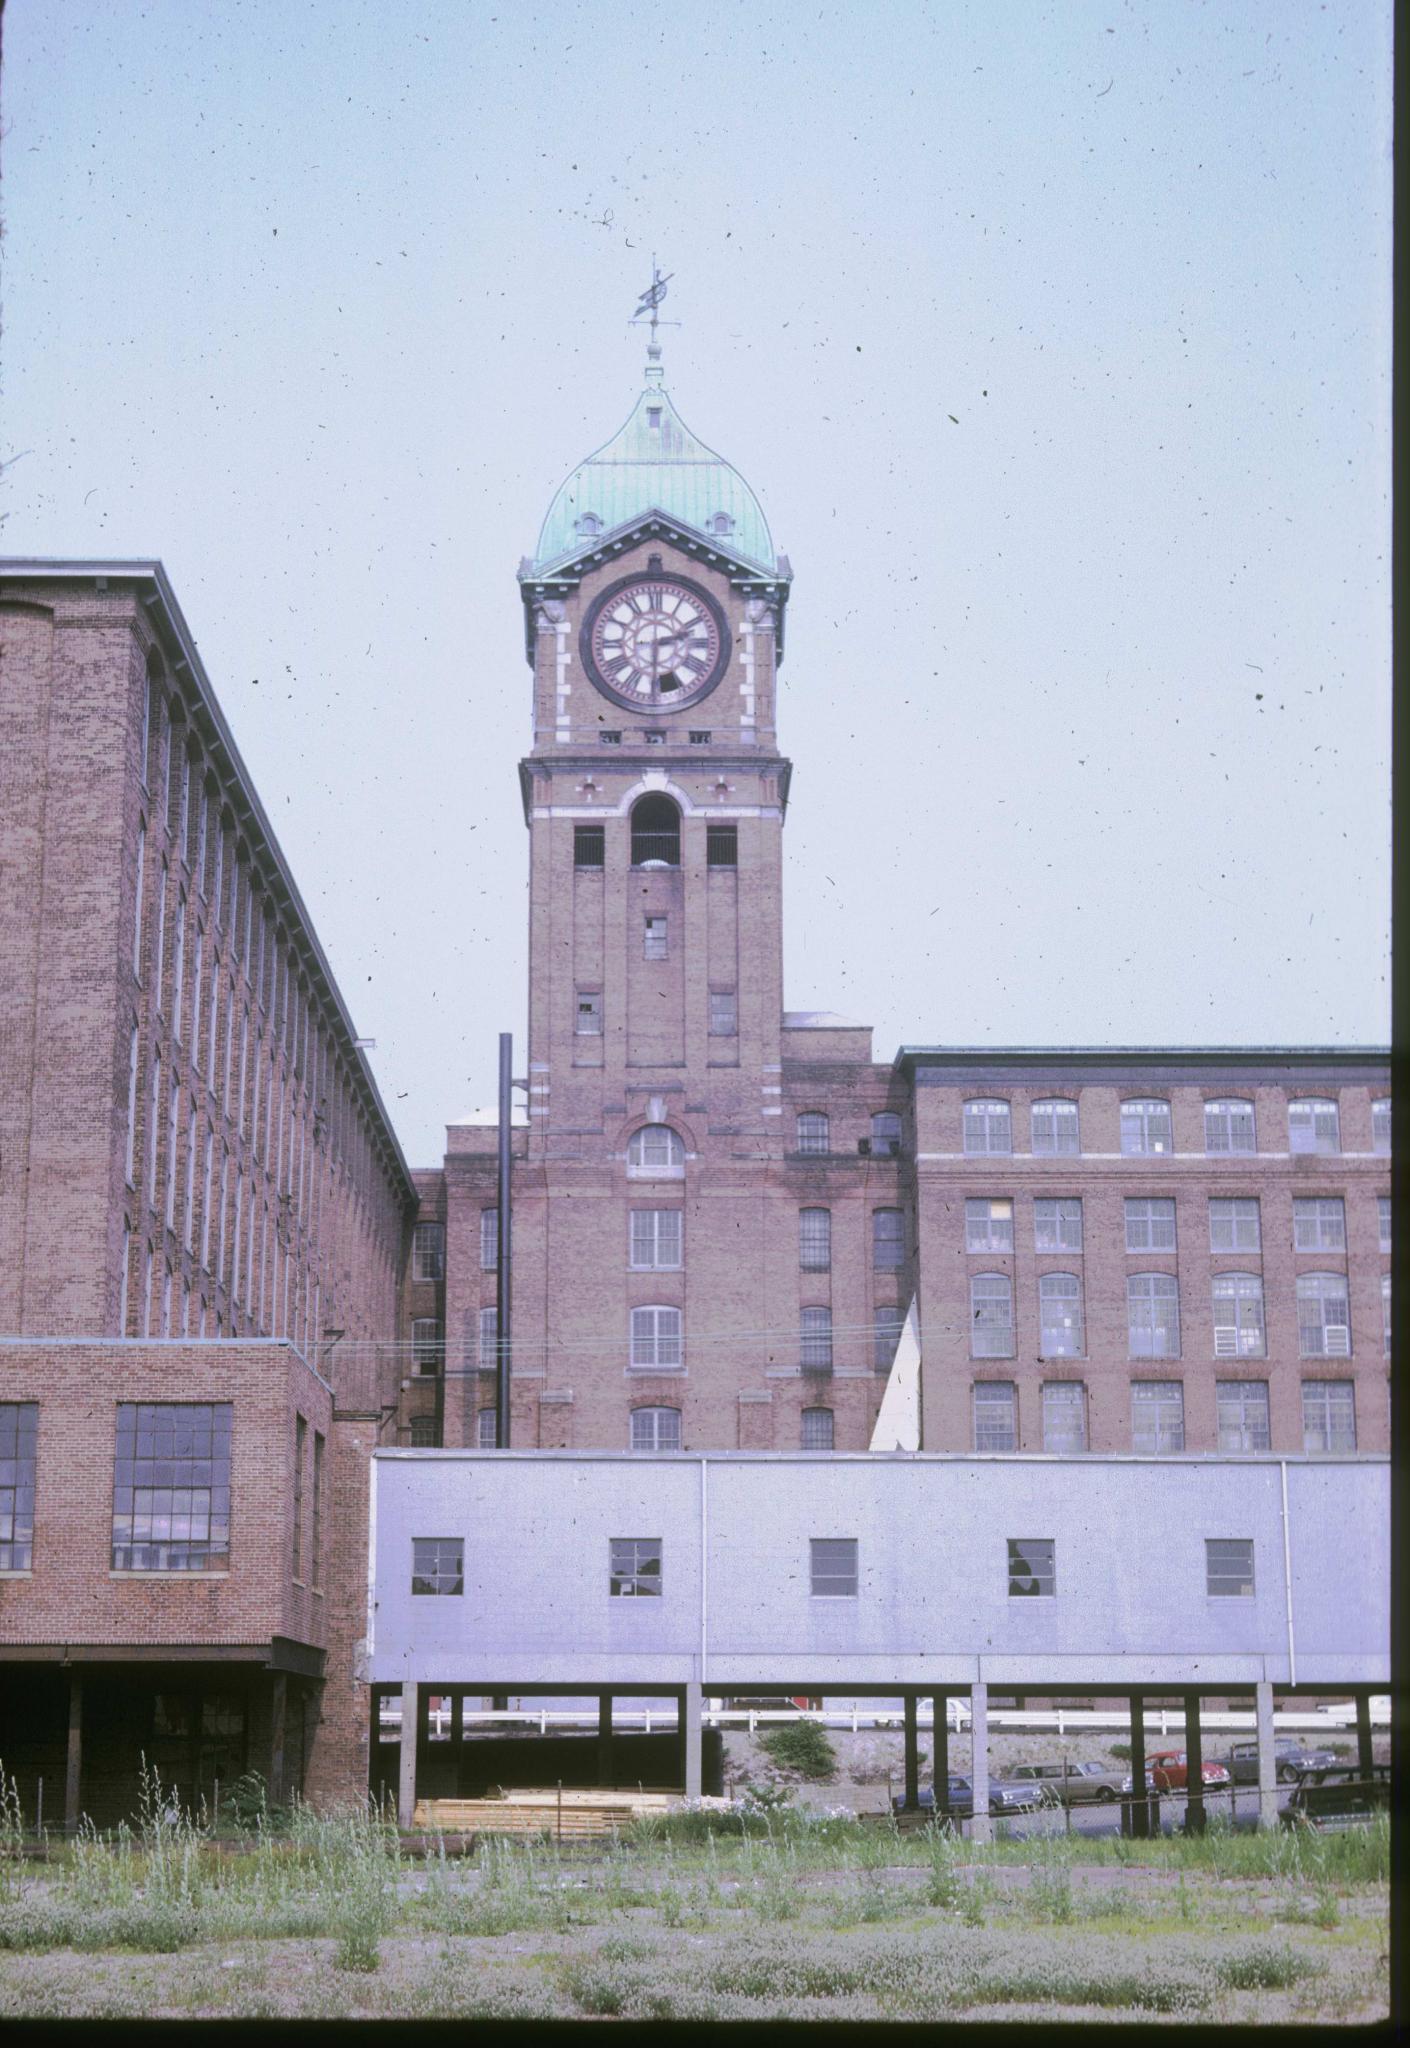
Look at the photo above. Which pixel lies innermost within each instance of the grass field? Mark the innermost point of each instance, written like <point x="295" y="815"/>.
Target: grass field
<point x="782" y="1917"/>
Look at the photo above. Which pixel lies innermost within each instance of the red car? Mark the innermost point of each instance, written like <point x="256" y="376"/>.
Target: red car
<point x="1170" y="1769"/>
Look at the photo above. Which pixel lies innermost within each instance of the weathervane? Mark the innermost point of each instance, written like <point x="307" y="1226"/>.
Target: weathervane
<point x="650" y="303"/>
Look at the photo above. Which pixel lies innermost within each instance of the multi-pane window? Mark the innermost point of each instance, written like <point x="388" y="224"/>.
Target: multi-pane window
<point x="815" y="1340"/>
<point x="428" y="1252"/>
<point x="1233" y="1224"/>
<point x="1055" y="1127"/>
<point x="428" y="1346"/>
<point x="1057" y="1224"/>
<point x="1238" y="1316"/>
<point x="887" y="1325"/>
<point x="654" y="943"/>
<point x="1380" y="1125"/>
<point x="634" y="1566"/>
<point x="721" y="843"/>
<point x="988" y="1225"/>
<point x="589" y="846"/>
<point x="315" y="1545"/>
<point x="1385" y="1313"/>
<point x="813" y="1134"/>
<point x="1313" y="1126"/>
<point x="489" y="1239"/>
<point x="489" y="1338"/>
<point x="423" y="1433"/>
<point x="438" y="1564"/>
<point x="487" y="1429"/>
<point x="995" y="1415"/>
<point x="1319" y="1223"/>
<point x="1157" y="1416"/>
<point x="656" y="1339"/>
<point x="1228" y="1566"/>
<point x="1153" y="1315"/>
<point x="815" y="1240"/>
<point x="655" y="1148"/>
<point x="991" y="1316"/>
<point x="1323" y="1316"/>
<point x="1145" y="1127"/>
<point x="1150" y="1224"/>
<point x="724" y="1013"/>
<point x="888" y="1240"/>
<point x="587" y="1014"/>
<point x="656" y="1429"/>
<point x="817" y="1429"/>
<point x="19" y="1431"/>
<point x="1032" y="1566"/>
<point x="1229" y="1127"/>
<point x="1383" y="1205"/>
<point x="1064" y="1416"/>
<point x="886" y="1133"/>
<point x="171" y="1487"/>
<point x="300" y="1454"/>
<point x="832" y="1567"/>
<point x="1328" y="1415"/>
<point x="1060" y="1315"/>
<point x="656" y="1240"/>
<point x="1242" y="1408"/>
<point x="988" y="1127"/>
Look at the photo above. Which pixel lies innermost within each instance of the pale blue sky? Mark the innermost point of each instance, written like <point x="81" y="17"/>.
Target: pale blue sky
<point x="1054" y="339"/>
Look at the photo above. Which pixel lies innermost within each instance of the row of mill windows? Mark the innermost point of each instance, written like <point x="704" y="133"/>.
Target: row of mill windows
<point x="1235" y="1223"/>
<point x="1153" y="1315"/>
<point x="1314" y="1125"/>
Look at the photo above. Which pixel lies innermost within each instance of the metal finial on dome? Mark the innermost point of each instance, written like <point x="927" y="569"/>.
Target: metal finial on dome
<point x="650" y="302"/>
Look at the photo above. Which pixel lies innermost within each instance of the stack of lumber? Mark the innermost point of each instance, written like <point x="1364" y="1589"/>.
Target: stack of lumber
<point x="574" y="1814"/>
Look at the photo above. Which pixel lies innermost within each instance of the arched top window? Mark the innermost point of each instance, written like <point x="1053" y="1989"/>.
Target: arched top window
<point x="656" y="1149"/>
<point x="1380" y="1124"/>
<point x="1313" y="1126"/>
<point x="813" y="1133"/>
<point x="656" y="1429"/>
<point x="656" y="832"/>
<point x="1145" y="1125"/>
<point x="988" y="1127"/>
<point x="720" y="522"/>
<point x="1055" y="1127"/>
<point x="1229" y="1127"/>
<point x="587" y="523"/>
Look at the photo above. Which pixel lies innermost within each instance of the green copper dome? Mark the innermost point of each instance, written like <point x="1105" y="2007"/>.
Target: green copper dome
<point x="655" y="464"/>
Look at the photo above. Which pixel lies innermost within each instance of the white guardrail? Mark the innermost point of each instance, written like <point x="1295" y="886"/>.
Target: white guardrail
<point x="1061" y="1721"/>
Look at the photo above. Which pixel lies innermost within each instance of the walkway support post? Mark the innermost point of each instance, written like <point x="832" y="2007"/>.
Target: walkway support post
<point x="1140" y="1798"/>
<point x="73" y="1773"/>
<point x="604" y="1738"/>
<point x="1194" y="1774"/>
<point x="502" y="1248"/>
<point x="1267" y="1755"/>
<point x="912" y="1793"/>
<point x="690" y="1738"/>
<point x="983" y="1828"/>
<point x="1365" y="1748"/>
<point x="278" y="1708"/>
<point x="410" y="1731"/>
<point x="940" y="1755"/>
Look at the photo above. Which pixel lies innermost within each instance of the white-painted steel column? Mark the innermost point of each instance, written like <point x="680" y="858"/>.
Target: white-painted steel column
<point x="1267" y="1755"/>
<point x="983" y="1828"/>
<point x="410" y="1726"/>
<point x="690" y="1729"/>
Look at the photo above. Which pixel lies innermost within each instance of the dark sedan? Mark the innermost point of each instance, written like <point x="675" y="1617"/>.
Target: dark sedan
<point x="1003" y="1798"/>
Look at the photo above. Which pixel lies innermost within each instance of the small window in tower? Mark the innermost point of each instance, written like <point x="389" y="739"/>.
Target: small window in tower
<point x="700" y="739"/>
<point x="721" y="523"/>
<point x="654" y="942"/>
<point x="724" y="1013"/>
<point x="589" y="1014"/>
<point x="722" y="846"/>
<point x="653" y="416"/>
<point x="609" y="739"/>
<point x="589" y="846"/>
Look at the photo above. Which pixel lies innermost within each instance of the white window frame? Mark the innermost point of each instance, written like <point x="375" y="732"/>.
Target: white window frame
<point x="1314" y="1125"/>
<point x="655" y="1152"/>
<point x="888" y="1240"/>
<point x="1328" y="1413"/>
<point x="489" y="1240"/>
<point x="1242" y="1415"/>
<point x="995" y="1397"/>
<point x="1381" y="1124"/>
<point x="1054" y="1129"/>
<point x="1319" y="1223"/>
<point x="988" y="1127"/>
<point x="654" y="1240"/>
<point x="428" y="1345"/>
<point x="815" y="1339"/>
<point x="724" y="1013"/>
<point x="1384" y="1222"/>
<point x="649" y="1425"/>
<point x="1146" y="1126"/>
<point x="813" y="1132"/>
<point x="1224" y="1121"/>
<point x="1061" y="1322"/>
<point x="656" y="1338"/>
<point x="1063" y="1213"/>
<point x="1233" y="1211"/>
<point x="587" y="1013"/>
<point x="655" y="938"/>
<point x="1240" y="1328"/>
<point x="487" y="1336"/>
<point x="817" y="1430"/>
<point x="1321" y="1334"/>
<point x="428" y="1243"/>
<point x="1152" y="1315"/>
<point x="991" y="1325"/>
<point x="1064" y="1417"/>
<point x="1160" y="1404"/>
<point x="1150" y="1223"/>
<point x="487" y="1429"/>
<point x="815" y="1240"/>
<point x="981" y="1214"/>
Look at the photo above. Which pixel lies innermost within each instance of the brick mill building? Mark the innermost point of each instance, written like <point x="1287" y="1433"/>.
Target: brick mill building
<point x="221" y="1288"/>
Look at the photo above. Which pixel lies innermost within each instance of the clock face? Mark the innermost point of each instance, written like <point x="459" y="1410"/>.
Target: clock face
<point x="655" y="643"/>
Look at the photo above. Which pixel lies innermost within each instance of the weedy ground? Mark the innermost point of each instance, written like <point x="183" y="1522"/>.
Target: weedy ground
<point x="692" y="1916"/>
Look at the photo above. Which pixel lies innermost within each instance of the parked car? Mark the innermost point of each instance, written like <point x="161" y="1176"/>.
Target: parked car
<point x="1171" y="1770"/>
<point x="1072" y="1784"/>
<point x="1342" y="1797"/>
<point x="1290" y="1760"/>
<point x="1003" y="1798"/>
<point x="1128" y="1783"/>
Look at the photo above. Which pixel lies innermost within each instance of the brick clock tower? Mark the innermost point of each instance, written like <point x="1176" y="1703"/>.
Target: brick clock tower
<point x="665" y="1286"/>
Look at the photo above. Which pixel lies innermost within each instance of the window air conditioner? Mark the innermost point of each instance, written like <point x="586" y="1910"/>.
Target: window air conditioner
<point x="1226" y="1343"/>
<point x="864" y="1147"/>
<point x="1338" y="1340"/>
